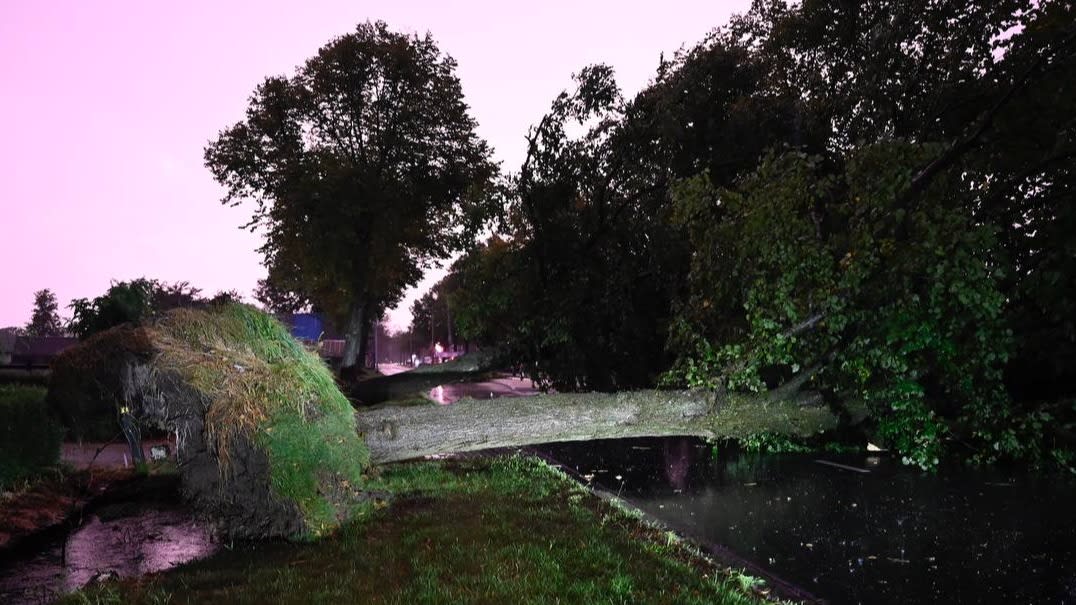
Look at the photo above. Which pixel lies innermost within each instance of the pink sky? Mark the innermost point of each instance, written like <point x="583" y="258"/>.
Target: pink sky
<point x="105" y="108"/>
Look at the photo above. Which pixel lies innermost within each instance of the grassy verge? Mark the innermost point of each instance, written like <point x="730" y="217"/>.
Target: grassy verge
<point x="500" y="530"/>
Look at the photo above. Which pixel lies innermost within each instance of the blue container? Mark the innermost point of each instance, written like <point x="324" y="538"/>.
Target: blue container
<point x="306" y="326"/>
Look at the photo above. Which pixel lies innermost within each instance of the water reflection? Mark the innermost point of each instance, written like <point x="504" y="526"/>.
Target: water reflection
<point x="678" y="455"/>
<point x="893" y="535"/>
<point x="438" y="395"/>
<point x="153" y="540"/>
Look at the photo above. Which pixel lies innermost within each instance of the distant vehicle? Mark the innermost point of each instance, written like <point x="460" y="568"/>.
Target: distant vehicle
<point x="427" y="360"/>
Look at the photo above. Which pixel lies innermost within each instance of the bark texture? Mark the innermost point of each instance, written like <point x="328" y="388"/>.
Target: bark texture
<point x="400" y="433"/>
<point x="353" y="336"/>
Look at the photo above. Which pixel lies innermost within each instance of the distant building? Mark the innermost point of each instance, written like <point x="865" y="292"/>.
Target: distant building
<point x="38" y="351"/>
<point x="7" y="345"/>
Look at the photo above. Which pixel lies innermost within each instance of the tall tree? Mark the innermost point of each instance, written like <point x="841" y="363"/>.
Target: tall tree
<point x="363" y="168"/>
<point x="876" y="192"/>
<point x="45" y="319"/>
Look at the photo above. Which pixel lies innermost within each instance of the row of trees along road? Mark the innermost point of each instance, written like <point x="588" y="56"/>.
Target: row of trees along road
<point x="874" y="200"/>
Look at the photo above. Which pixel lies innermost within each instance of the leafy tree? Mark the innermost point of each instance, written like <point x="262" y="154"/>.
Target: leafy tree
<point x="124" y="302"/>
<point x="45" y="319"/>
<point x="275" y="299"/>
<point x="881" y="265"/>
<point x="136" y="301"/>
<point x="171" y="296"/>
<point x="225" y="297"/>
<point x="488" y="305"/>
<point x="872" y="197"/>
<point x="363" y="168"/>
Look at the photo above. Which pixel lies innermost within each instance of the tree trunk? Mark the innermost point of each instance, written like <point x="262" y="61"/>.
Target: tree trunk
<point x="364" y="340"/>
<point x="353" y="335"/>
<point x="400" y="433"/>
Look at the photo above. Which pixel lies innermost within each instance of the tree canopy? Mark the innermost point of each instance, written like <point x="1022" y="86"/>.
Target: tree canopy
<point x="136" y="301"/>
<point x="45" y="318"/>
<point x="363" y="168"/>
<point x="877" y="198"/>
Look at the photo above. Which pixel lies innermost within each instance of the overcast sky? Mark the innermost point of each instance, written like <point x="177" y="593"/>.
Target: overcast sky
<point x="106" y="106"/>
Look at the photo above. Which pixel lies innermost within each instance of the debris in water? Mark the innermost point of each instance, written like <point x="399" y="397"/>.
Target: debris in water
<point x="843" y="466"/>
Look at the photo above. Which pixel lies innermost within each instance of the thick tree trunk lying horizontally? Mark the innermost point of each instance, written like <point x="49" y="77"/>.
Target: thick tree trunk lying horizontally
<point x="400" y="433"/>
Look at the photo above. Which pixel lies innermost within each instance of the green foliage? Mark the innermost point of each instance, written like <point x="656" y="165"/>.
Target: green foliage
<point x="363" y="168"/>
<point x="124" y="302"/>
<point x="486" y="303"/>
<point x="772" y="443"/>
<point x="772" y="211"/>
<point x="904" y="299"/>
<point x="136" y="301"/>
<point x="29" y="435"/>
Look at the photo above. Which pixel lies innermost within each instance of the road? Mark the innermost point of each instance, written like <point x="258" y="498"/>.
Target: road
<point x="504" y="385"/>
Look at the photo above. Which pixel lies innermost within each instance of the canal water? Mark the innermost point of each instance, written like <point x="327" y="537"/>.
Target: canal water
<point x="859" y="528"/>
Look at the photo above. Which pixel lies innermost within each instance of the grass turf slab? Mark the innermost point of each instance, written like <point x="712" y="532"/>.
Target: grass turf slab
<point x="486" y="530"/>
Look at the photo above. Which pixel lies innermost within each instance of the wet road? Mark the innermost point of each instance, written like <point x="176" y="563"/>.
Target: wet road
<point x="504" y="385"/>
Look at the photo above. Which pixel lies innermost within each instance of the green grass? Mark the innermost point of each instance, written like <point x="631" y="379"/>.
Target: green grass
<point x="501" y="530"/>
<point x="29" y="435"/>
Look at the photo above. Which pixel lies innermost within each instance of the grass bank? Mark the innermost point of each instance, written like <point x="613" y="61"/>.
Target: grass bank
<point x="481" y="530"/>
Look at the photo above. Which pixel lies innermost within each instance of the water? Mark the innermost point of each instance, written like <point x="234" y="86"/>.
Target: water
<point x="890" y="535"/>
<point x="149" y="540"/>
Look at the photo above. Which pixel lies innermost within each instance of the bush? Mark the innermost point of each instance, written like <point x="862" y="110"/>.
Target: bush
<point x="29" y="435"/>
<point x="88" y="381"/>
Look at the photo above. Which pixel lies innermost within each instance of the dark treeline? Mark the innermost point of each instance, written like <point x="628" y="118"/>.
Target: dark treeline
<point x="879" y="196"/>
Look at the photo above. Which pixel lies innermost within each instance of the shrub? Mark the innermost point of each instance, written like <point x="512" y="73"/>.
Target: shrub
<point x="87" y="381"/>
<point x="29" y="435"/>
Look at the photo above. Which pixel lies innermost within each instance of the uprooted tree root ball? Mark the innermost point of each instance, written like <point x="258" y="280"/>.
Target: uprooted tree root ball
<point x="266" y="441"/>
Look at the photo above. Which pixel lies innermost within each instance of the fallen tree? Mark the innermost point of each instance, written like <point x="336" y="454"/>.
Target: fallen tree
<point x="268" y="445"/>
<point x="400" y="433"/>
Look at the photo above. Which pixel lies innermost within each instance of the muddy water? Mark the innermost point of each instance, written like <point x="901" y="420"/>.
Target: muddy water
<point x="149" y="540"/>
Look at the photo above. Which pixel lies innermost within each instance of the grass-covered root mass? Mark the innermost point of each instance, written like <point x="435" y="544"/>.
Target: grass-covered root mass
<point x="501" y="530"/>
<point x="266" y="439"/>
<point x="29" y="435"/>
<point x="267" y="389"/>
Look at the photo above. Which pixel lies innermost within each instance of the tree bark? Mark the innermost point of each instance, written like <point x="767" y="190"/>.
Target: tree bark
<point x="400" y="433"/>
<point x="364" y="339"/>
<point x="353" y="335"/>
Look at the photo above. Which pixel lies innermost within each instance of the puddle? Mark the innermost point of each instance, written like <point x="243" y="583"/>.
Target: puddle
<point x="146" y="542"/>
